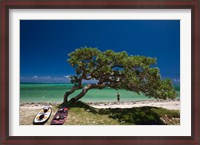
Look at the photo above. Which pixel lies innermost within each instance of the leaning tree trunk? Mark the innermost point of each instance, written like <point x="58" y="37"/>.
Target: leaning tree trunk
<point x="81" y="94"/>
<point x="67" y="93"/>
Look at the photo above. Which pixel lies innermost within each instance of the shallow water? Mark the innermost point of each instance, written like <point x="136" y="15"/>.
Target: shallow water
<point x="54" y="93"/>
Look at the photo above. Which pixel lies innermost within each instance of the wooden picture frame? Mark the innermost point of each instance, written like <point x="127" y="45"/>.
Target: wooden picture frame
<point x="99" y="4"/>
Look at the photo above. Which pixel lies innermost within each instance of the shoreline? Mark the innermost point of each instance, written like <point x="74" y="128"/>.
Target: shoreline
<point x="167" y="104"/>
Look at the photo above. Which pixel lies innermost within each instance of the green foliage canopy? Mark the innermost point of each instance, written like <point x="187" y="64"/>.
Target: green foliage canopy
<point x="118" y="70"/>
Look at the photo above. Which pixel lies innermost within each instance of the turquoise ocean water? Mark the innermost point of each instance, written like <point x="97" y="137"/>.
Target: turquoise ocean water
<point x="54" y="93"/>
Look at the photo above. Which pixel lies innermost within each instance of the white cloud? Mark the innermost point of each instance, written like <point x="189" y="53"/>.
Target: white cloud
<point x="68" y="76"/>
<point x="35" y="77"/>
<point x="45" y="79"/>
<point x="176" y="80"/>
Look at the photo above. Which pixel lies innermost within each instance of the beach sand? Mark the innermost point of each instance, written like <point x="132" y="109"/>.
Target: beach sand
<point x="29" y="110"/>
<point x="167" y="104"/>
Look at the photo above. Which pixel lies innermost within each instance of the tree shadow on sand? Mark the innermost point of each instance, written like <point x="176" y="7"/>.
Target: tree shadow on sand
<point x="127" y="116"/>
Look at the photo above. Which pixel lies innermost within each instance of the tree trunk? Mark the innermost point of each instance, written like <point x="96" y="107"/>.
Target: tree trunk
<point x="80" y="95"/>
<point x="84" y="91"/>
<point x="67" y="93"/>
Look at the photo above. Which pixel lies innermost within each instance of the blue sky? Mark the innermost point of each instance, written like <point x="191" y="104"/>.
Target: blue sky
<point x="44" y="44"/>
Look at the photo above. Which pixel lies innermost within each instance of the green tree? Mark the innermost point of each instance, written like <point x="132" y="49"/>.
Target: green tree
<point x="116" y="70"/>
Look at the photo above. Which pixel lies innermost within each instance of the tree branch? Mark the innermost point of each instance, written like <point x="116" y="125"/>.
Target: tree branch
<point x="73" y="89"/>
<point x="84" y="91"/>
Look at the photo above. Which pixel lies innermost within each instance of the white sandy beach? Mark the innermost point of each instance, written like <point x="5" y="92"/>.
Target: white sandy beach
<point x="172" y="105"/>
<point x="168" y="104"/>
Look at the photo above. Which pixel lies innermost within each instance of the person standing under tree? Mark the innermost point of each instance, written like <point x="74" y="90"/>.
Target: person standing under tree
<point x="118" y="96"/>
